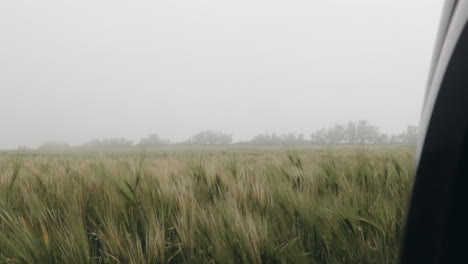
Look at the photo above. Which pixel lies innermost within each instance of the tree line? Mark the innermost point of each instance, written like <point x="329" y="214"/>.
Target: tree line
<point x="362" y="132"/>
<point x="359" y="132"/>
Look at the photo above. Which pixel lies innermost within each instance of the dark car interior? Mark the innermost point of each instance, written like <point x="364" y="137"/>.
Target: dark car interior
<point x="436" y="228"/>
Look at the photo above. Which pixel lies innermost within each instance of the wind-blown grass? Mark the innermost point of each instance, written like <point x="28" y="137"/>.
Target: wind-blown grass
<point x="220" y="207"/>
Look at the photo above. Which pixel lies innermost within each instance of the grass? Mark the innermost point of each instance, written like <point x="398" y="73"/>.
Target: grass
<point x="220" y="206"/>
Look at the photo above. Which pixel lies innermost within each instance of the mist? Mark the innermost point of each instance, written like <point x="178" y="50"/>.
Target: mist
<point x="78" y="70"/>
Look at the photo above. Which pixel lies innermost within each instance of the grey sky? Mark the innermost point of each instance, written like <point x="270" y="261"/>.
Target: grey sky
<point x="79" y="70"/>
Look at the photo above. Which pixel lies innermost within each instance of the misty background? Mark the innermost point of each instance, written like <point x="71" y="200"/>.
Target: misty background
<point x="80" y="70"/>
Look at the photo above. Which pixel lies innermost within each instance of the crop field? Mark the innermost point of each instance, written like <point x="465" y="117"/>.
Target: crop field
<point x="204" y="205"/>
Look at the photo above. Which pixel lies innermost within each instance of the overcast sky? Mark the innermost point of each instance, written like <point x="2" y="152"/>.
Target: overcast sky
<point x="84" y="69"/>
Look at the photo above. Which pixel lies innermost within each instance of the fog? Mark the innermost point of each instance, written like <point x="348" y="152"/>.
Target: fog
<point x="79" y="70"/>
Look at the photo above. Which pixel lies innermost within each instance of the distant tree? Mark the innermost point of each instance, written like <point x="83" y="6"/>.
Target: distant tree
<point x="109" y="143"/>
<point x="350" y="133"/>
<point x="52" y="144"/>
<point x="300" y="137"/>
<point x="336" y="135"/>
<point x="360" y="132"/>
<point x="382" y="139"/>
<point x="366" y="133"/>
<point x="318" y="137"/>
<point x="278" y="139"/>
<point x="395" y="139"/>
<point x="261" y="139"/>
<point x="152" y="140"/>
<point x="409" y="136"/>
<point x="211" y="137"/>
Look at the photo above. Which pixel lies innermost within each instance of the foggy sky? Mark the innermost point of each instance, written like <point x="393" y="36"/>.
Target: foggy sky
<point x="79" y="70"/>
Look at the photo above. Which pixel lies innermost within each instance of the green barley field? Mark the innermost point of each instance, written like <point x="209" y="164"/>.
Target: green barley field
<point x="204" y="205"/>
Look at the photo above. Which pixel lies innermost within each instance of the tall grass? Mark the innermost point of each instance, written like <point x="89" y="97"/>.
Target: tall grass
<point x="222" y="207"/>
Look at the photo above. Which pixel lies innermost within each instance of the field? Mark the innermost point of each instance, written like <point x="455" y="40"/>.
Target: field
<point x="204" y="205"/>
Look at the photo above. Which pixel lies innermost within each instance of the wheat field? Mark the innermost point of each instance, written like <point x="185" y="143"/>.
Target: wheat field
<point x="206" y="205"/>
